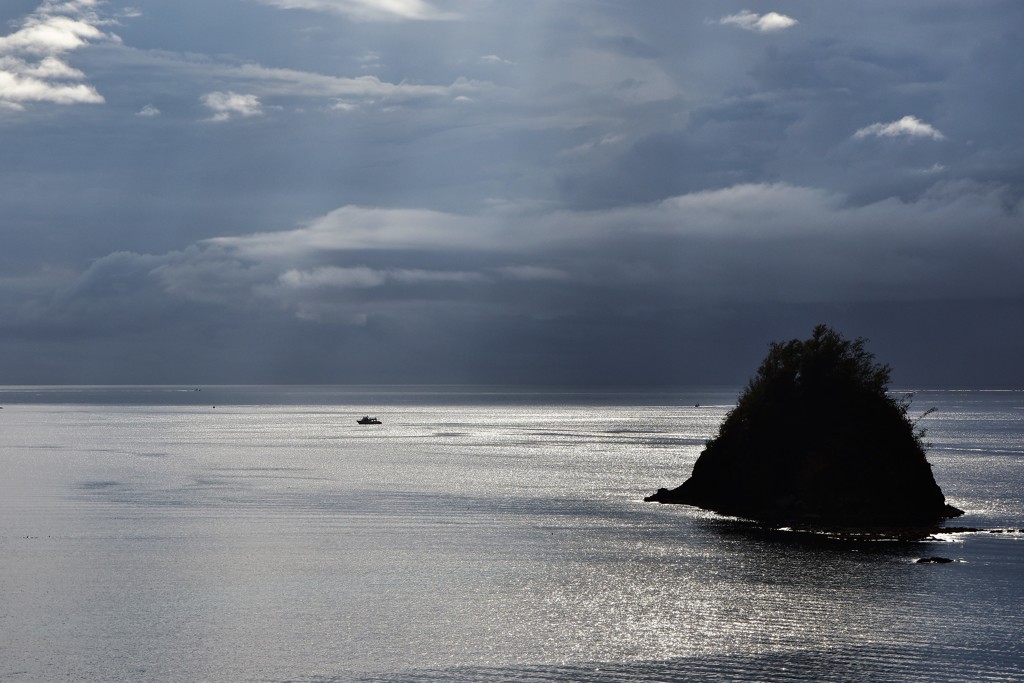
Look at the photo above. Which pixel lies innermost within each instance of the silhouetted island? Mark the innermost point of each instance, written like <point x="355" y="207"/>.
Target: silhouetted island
<point x="816" y="438"/>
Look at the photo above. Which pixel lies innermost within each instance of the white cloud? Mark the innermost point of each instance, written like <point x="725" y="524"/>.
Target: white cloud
<point x="764" y="23"/>
<point x="227" y="105"/>
<point x="792" y="243"/>
<point x="592" y="145"/>
<point x="494" y="59"/>
<point x="290" y="82"/>
<point x="361" y="277"/>
<point x="47" y="68"/>
<point x="44" y="35"/>
<point x="370" y="10"/>
<point x="369" y="61"/>
<point x="533" y="273"/>
<point x="909" y="126"/>
<point x="15" y="90"/>
<point x="148" y="110"/>
<point x="333" y="92"/>
<point x="31" y="67"/>
<point x="356" y="227"/>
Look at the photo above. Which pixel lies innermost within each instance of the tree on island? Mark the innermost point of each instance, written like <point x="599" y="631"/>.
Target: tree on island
<point x="816" y="438"/>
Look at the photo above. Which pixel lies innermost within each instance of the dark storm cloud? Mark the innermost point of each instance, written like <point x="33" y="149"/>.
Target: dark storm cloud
<point x="391" y="275"/>
<point x="360" y="190"/>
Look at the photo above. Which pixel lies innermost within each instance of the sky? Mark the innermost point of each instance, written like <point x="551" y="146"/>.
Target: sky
<point x="582" y="192"/>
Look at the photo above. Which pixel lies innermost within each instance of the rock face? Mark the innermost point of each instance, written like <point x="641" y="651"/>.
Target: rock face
<point x="816" y="438"/>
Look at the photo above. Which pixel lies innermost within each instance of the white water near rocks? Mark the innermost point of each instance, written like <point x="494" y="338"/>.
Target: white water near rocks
<point x="475" y="535"/>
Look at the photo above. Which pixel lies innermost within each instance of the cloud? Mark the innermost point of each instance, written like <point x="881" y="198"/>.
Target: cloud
<point x="331" y="276"/>
<point x="909" y="126"/>
<point x="44" y="33"/>
<point x="365" y="278"/>
<point x="31" y="64"/>
<point x="586" y="148"/>
<point x="227" y="105"/>
<point x="369" y="60"/>
<point x="617" y="168"/>
<point x="744" y="244"/>
<point x="263" y="81"/>
<point x="16" y="90"/>
<point x="370" y="10"/>
<point x="359" y="228"/>
<point x="551" y="281"/>
<point x="763" y="23"/>
<point x="253" y="80"/>
<point x="47" y="68"/>
<point x="533" y="273"/>
<point x="494" y="59"/>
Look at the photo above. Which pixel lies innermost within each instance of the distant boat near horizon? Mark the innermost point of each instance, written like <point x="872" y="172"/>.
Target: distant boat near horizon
<point x="367" y="420"/>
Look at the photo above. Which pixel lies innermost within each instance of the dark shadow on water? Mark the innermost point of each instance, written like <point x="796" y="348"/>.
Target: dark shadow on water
<point x="883" y="541"/>
<point x="865" y="557"/>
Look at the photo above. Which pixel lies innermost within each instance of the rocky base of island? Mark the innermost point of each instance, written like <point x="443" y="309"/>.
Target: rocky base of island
<point x="792" y="509"/>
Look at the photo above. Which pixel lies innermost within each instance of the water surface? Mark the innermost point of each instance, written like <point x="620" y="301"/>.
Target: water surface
<point x="260" y="534"/>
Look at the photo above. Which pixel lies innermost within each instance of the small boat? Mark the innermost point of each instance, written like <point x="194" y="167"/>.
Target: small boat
<point x="367" y="420"/>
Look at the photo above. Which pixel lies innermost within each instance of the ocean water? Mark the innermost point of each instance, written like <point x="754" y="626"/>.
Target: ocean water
<point x="260" y="534"/>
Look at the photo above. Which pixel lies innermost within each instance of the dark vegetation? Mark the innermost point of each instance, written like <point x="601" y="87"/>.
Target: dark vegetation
<point x="816" y="437"/>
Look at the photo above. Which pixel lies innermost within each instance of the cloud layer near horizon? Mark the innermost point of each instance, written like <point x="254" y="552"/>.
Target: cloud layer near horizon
<point x="450" y="191"/>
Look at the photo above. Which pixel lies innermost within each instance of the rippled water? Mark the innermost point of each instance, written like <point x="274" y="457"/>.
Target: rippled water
<point x="474" y="536"/>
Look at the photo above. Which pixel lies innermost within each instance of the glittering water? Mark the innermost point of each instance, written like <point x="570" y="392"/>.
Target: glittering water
<point x="474" y="536"/>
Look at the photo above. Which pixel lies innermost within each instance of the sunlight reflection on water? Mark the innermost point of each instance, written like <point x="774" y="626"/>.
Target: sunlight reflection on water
<point x="467" y="542"/>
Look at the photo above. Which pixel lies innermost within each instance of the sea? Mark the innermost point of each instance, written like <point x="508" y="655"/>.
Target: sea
<point x="243" y="533"/>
